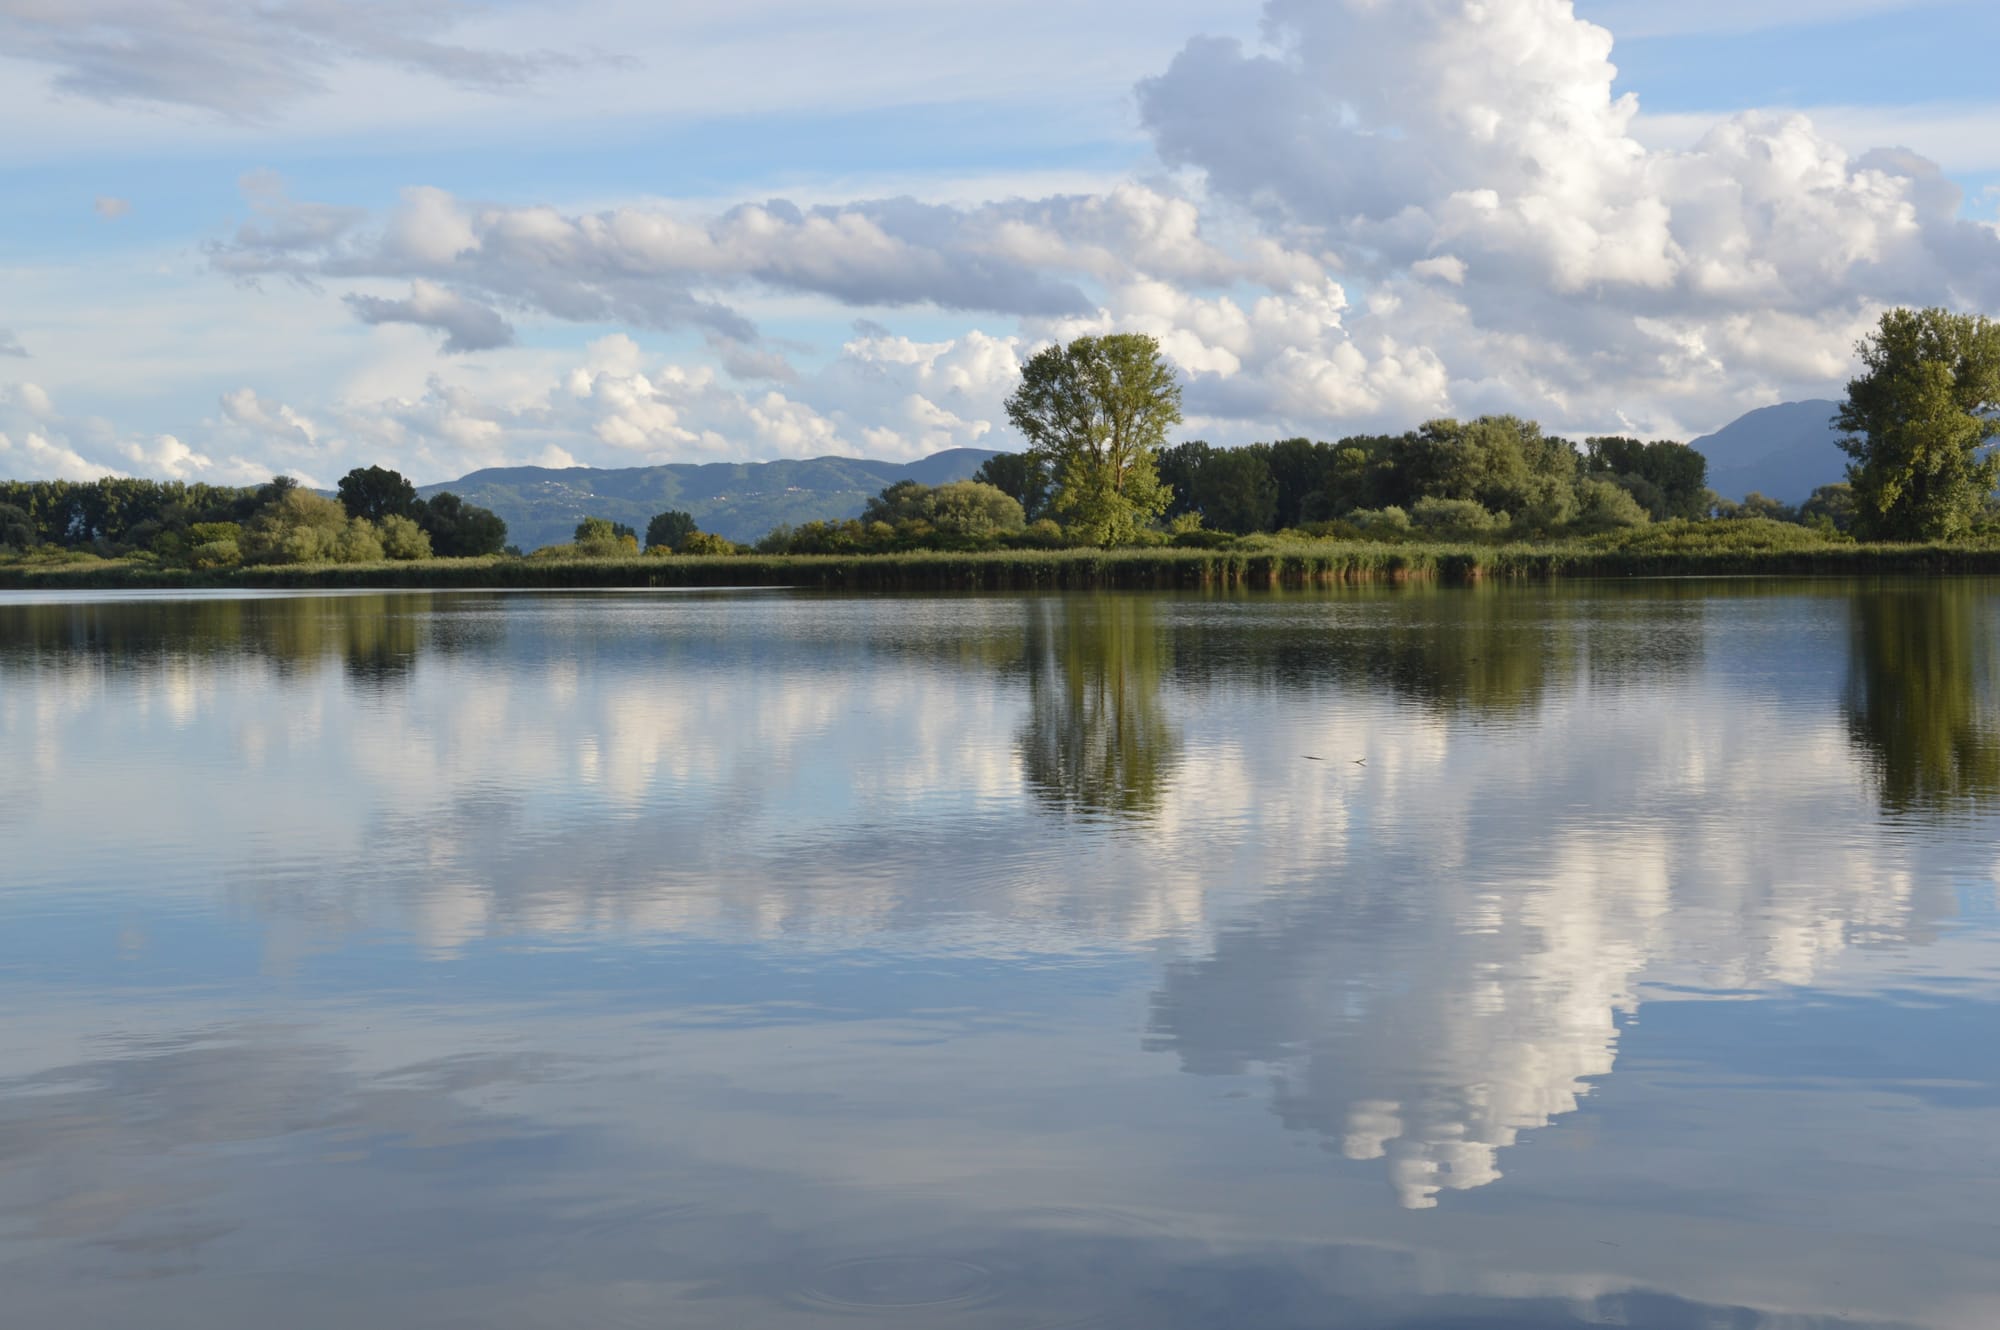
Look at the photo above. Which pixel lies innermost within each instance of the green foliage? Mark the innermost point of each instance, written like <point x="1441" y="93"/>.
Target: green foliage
<point x="1238" y="492"/>
<point x="1505" y="464"/>
<point x="376" y="492"/>
<point x="1918" y="419"/>
<point x="1831" y="506"/>
<point x="966" y="514"/>
<point x="974" y="510"/>
<point x="1742" y="536"/>
<point x="1022" y="478"/>
<point x="1450" y="517"/>
<point x="460" y="530"/>
<point x="111" y="515"/>
<point x="402" y="538"/>
<point x="1669" y="479"/>
<point x="1095" y="413"/>
<point x="704" y="542"/>
<point x="1756" y="505"/>
<point x="17" y="528"/>
<point x="1388" y="522"/>
<point x="904" y="501"/>
<point x="602" y="538"/>
<point x="1603" y="505"/>
<point x="670" y="530"/>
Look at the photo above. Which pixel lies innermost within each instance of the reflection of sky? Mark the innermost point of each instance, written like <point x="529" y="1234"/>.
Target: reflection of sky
<point x="728" y="946"/>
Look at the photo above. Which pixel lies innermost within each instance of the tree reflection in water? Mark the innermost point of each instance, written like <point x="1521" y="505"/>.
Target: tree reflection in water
<point x="1923" y="694"/>
<point x="1097" y="740"/>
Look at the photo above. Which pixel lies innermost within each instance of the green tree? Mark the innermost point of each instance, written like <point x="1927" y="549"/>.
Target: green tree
<point x="703" y="542"/>
<point x="376" y="492"/>
<point x="1503" y="463"/>
<point x="1831" y="506"/>
<point x="1019" y="476"/>
<point x="670" y="530"/>
<point x="1917" y="420"/>
<point x="402" y="538"/>
<point x="1603" y="505"/>
<point x="974" y="510"/>
<point x="17" y="529"/>
<point x="1095" y="413"/>
<point x="1238" y="492"/>
<point x="905" y="501"/>
<point x="1671" y="479"/>
<point x="460" y="530"/>
<point x="1179" y="469"/>
<point x="602" y="538"/>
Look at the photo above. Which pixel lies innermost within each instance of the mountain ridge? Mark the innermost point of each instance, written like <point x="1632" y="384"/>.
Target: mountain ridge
<point x="740" y="500"/>
<point x="1783" y="452"/>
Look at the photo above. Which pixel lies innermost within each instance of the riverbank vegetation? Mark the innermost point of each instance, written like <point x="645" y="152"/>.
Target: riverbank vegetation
<point x="1099" y="498"/>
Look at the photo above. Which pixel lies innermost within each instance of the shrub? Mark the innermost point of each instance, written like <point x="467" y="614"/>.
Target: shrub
<point x="1450" y="516"/>
<point x="215" y="554"/>
<point x="1380" y="522"/>
<point x="707" y="542"/>
<point x="402" y="538"/>
<point x="1602" y="505"/>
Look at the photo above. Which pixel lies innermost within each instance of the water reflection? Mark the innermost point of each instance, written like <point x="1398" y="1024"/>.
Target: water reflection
<point x="1923" y="695"/>
<point x="984" y="962"/>
<point x="1097" y="737"/>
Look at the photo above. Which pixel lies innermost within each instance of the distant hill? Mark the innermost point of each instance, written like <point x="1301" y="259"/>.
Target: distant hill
<point x="740" y="500"/>
<point x="1784" y="452"/>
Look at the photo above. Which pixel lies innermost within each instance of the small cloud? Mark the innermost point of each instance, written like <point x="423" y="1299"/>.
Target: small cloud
<point x="869" y="328"/>
<point x="10" y="345"/>
<point x="111" y="209"/>
<point x="466" y="324"/>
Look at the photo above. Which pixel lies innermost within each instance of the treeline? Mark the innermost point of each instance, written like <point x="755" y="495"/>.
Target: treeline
<point x="376" y="516"/>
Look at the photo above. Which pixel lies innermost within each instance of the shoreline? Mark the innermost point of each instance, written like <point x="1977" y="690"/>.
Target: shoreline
<point x="1014" y="570"/>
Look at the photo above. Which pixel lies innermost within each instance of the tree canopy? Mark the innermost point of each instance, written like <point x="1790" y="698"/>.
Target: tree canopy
<point x="669" y="530"/>
<point x="1918" y="420"/>
<point x="375" y="492"/>
<point x="1095" y="413"/>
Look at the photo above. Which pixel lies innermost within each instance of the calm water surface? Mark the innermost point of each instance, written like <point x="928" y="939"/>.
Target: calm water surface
<point x="1623" y="956"/>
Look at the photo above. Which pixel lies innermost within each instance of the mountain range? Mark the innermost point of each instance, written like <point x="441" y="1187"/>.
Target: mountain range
<point x="740" y="500"/>
<point x="1785" y="452"/>
<point x="1782" y="452"/>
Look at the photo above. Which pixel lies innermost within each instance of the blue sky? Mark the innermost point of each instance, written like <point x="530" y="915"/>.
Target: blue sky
<point x="1336" y="216"/>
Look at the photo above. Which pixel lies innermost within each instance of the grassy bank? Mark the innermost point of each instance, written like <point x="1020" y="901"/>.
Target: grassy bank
<point x="1300" y="564"/>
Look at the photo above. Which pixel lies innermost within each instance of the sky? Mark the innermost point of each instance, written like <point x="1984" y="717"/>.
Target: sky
<point x="246" y="237"/>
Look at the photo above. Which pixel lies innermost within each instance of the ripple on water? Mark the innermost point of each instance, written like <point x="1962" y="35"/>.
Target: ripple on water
<point x="892" y="1283"/>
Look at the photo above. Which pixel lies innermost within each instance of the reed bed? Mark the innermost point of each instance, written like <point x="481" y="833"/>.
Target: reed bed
<point x="1301" y="564"/>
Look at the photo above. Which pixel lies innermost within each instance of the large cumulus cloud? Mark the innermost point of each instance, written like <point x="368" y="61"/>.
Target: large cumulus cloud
<point x="1471" y="161"/>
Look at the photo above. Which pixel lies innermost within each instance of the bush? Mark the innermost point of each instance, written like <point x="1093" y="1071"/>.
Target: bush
<point x="1603" y="505"/>
<point x="402" y="538"/>
<point x="215" y="554"/>
<point x="1378" y="523"/>
<point x="707" y="542"/>
<point x="1450" y="516"/>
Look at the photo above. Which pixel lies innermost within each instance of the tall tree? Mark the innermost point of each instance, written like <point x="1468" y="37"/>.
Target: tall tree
<point x="670" y="530"/>
<point x="1238" y="492"/>
<point x="1918" y="419"/>
<point x="1096" y="412"/>
<point x="376" y="492"/>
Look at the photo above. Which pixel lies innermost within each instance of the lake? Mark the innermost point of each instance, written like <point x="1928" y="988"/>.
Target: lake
<point x="1541" y="957"/>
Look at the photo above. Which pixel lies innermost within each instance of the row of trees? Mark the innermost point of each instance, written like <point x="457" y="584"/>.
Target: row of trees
<point x="1096" y="412"/>
<point x="1919" y="422"/>
<point x="377" y="515"/>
